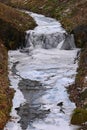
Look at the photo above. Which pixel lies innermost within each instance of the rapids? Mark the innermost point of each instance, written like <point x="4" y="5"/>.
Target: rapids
<point x="40" y="74"/>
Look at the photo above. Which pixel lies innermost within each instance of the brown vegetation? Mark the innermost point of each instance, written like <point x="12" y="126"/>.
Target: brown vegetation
<point x="71" y="13"/>
<point x="17" y="19"/>
<point x="6" y="93"/>
<point x="13" y="25"/>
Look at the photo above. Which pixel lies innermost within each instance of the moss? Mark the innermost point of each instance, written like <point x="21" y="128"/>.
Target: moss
<point x="79" y="116"/>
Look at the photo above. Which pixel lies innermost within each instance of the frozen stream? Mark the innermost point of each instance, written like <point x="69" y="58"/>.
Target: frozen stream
<point x="40" y="74"/>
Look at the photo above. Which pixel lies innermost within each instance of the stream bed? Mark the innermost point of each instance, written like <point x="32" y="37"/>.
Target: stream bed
<point x="40" y="75"/>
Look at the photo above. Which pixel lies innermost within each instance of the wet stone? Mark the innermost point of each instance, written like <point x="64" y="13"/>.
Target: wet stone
<point x="14" y="71"/>
<point x="60" y="104"/>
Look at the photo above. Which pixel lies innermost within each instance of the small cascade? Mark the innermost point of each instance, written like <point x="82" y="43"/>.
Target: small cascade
<point x="46" y="41"/>
<point x="48" y="34"/>
<point x="62" y="41"/>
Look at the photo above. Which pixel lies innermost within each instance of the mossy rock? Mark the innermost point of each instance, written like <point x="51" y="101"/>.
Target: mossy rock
<point x="79" y="116"/>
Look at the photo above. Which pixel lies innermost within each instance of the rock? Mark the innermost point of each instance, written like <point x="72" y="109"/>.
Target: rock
<point x="79" y="116"/>
<point x="24" y="50"/>
<point x="61" y="110"/>
<point x="69" y="43"/>
<point x="17" y="109"/>
<point x="60" y="104"/>
<point x="80" y="33"/>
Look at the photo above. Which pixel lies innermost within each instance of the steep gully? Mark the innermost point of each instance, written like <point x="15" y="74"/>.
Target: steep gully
<point x="40" y="74"/>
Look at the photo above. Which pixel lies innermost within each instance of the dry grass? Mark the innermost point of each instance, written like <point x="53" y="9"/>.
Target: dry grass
<point x="6" y="93"/>
<point x="70" y="12"/>
<point x="17" y="19"/>
<point x="11" y="19"/>
<point x="13" y="25"/>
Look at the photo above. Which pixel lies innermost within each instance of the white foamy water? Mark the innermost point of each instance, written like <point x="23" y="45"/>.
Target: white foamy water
<point x="45" y="24"/>
<point x="55" y="69"/>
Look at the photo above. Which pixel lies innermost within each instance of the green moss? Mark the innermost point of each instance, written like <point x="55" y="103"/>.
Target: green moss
<point x="79" y="116"/>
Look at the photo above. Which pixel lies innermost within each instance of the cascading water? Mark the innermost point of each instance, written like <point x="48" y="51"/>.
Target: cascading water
<point x="49" y="34"/>
<point x="46" y="41"/>
<point x="40" y="77"/>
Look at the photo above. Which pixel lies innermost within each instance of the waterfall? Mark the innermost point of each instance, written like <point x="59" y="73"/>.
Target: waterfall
<point x="46" y="41"/>
<point x="48" y="34"/>
<point x="62" y="41"/>
<point x="49" y="41"/>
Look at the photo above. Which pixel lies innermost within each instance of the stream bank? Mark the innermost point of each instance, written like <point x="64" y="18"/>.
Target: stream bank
<point x="12" y="26"/>
<point x="6" y="93"/>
